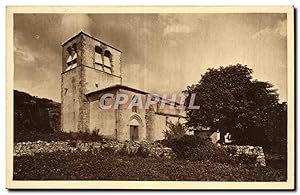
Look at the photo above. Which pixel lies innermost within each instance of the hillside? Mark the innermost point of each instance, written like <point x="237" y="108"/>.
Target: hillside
<point x="34" y="115"/>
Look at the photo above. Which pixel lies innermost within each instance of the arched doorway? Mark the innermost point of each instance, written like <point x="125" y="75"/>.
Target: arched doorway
<point x="135" y="125"/>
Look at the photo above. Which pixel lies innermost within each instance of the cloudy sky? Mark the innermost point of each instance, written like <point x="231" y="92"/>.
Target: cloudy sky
<point x="162" y="53"/>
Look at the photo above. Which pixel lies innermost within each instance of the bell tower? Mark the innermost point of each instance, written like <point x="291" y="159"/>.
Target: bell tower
<point x="88" y="65"/>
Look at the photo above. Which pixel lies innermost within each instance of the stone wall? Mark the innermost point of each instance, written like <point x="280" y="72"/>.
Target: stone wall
<point x="127" y="117"/>
<point x="71" y="90"/>
<point x="82" y="79"/>
<point x="104" y="120"/>
<point x="250" y="151"/>
<point x="144" y="149"/>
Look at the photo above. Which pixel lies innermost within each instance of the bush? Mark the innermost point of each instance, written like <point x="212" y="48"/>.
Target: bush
<point x="23" y="136"/>
<point x="142" y="152"/>
<point x="277" y="161"/>
<point x="86" y="136"/>
<point x="73" y="144"/>
<point x="246" y="159"/>
<point x="198" y="149"/>
<point x="174" y="131"/>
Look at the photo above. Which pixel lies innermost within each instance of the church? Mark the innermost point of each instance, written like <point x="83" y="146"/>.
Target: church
<point x="90" y="70"/>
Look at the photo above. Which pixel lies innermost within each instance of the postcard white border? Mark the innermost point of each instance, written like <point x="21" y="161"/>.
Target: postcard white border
<point x="13" y="184"/>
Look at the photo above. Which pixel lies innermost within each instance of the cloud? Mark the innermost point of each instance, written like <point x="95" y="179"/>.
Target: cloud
<point x="34" y="68"/>
<point x="22" y="53"/>
<point x="176" y="28"/>
<point x="278" y="30"/>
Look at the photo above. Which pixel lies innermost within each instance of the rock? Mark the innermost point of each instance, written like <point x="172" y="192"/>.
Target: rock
<point x="255" y="151"/>
<point x="145" y="149"/>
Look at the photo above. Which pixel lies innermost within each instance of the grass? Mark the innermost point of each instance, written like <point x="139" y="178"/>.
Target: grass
<point x="107" y="166"/>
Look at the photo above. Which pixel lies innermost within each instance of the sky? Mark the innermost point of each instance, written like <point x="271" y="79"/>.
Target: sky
<point x="162" y="53"/>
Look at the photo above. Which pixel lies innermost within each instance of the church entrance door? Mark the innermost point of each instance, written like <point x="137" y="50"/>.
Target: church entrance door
<point x="134" y="133"/>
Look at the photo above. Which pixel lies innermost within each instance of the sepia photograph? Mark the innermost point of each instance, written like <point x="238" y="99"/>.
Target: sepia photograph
<point x="150" y="98"/>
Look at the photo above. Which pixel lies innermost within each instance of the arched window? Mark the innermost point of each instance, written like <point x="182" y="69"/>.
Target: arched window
<point x="103" y="59"/>
<point x="98" y="58"/>
<point x="107" y="61"/>
<point x="107" y="58"/>
<point x="72" y="58"/>
<point x="98" y="50"/>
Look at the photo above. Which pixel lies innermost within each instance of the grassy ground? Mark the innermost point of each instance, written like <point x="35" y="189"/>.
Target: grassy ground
<point x="106" y="166"/>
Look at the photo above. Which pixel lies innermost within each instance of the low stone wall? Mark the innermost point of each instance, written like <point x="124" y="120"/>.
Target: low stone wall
<point x="251" y="151"/>
<point x="144" y="149"/>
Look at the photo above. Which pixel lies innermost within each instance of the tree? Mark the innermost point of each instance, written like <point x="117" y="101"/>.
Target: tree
<point x="231" y="101"/>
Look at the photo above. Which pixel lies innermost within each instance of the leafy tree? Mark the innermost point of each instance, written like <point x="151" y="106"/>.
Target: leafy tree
<point x="231" y="101"/>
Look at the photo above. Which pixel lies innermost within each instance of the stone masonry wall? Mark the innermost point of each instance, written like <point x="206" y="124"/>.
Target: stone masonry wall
<point x="252" y="151"/>
<point x="144" y="149"/>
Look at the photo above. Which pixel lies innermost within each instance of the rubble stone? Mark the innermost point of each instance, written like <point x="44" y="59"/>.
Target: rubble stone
<point x="253" y="151"/>
<point x="155" y="150"/>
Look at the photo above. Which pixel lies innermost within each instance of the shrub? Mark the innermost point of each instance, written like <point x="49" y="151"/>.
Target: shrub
<point x="246" y="159"/>
<point x="198" y="149"/>
<point x="142" y="152"/>
<point x="23" y="136"/>
<point x="58" y="136"/>
<point x="72" y="144"/>
<point x="107" y="150"/>
<point x="277" y="161"/>
<point x="174" y="131"/>
<point x="95" y="135"/>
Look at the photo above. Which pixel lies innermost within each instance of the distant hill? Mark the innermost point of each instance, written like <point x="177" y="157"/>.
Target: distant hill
<point x="34" y="115"/>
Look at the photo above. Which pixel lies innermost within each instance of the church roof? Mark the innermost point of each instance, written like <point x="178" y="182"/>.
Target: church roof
<point x="83" y="33"/>
<point x="119" y="86"/>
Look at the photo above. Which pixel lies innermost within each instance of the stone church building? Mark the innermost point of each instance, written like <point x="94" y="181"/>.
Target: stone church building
<point x="92" y="68"/>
